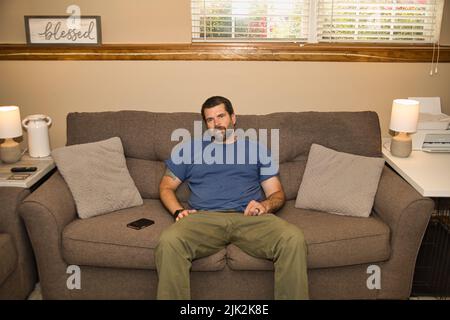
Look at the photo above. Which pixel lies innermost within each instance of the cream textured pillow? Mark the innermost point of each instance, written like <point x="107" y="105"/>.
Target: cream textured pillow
<point x="338" y="182"/>
<point x="97" y="176"/>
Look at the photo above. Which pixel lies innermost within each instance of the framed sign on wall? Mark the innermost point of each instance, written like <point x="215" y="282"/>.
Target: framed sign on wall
<point x="63" y="30"/>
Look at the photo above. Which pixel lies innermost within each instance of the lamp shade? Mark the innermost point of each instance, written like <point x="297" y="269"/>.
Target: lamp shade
<point x="404" y="116"/>
<point x="10" y="124"/>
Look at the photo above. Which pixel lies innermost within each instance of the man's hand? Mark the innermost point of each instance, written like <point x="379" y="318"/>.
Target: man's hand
<point x="275" y="199"/>
<point x="255" y="208"/>
<point x="185" y="213"/>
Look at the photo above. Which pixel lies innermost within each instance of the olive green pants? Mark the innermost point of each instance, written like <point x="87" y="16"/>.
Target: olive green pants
<point x="205" y="232"/>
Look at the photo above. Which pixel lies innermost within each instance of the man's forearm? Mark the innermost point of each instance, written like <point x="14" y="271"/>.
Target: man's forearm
<point x="274" y="202"/>
<point x="169" y="199"/>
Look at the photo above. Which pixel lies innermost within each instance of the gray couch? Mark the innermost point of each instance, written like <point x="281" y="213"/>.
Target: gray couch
<point x="17" y="265"/>
<point x="117" y="262"/>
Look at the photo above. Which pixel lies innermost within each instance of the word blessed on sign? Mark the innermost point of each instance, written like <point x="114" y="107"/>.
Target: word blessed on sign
<point x="81" y="30"/>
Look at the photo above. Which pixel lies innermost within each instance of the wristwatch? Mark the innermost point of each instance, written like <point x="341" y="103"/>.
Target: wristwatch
<point x="177" y="212"/>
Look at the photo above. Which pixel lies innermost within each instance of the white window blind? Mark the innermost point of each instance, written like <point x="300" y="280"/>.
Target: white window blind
<point x="259" y="20"/>
<point x="410" y="21"/>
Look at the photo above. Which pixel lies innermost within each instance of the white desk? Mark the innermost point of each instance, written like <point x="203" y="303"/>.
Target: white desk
<point x="44" y="166"/>
<point x="428" y="173"/>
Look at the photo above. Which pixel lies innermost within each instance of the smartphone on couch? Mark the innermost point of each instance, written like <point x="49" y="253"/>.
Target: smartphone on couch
<point x="140" y="224"/>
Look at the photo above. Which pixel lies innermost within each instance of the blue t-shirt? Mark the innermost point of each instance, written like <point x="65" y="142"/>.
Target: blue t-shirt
<point x="222" y="176"/>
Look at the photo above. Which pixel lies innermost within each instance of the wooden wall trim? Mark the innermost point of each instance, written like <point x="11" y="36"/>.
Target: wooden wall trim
<point x="229" y="52"/>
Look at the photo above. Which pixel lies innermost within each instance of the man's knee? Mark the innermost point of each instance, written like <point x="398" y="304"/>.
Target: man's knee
<point x="293" y="238"/>
<point x="169" y="239"/>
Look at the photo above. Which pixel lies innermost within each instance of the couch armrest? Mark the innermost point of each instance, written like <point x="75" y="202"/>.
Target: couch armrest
<point x="53" y="200"/>
<point x="397" y="201"/>
<point x="46" y="212"/>
<point x="24" y="274"/>
<point x="407" y="214"/>
<point x="10" y="221"/>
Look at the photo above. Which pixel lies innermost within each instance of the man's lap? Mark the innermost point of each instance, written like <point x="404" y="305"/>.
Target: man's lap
<point x="230" y="226"/>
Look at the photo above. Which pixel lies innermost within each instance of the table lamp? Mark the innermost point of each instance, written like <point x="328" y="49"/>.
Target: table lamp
<point x="404" y="117"/>
<point x="10" y="127"/>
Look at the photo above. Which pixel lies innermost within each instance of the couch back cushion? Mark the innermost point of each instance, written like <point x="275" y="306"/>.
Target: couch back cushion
<point x="146" y="138"/>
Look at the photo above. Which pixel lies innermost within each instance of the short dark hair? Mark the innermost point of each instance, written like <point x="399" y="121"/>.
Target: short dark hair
<point x="215" y="101"/>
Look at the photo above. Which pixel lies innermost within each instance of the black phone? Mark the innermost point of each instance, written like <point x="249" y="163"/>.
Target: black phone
<point x="140" y="224"/>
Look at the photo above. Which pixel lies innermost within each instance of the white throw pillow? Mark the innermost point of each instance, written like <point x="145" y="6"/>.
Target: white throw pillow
<point x="97" y="176"/>
<point x="339" y="183"/>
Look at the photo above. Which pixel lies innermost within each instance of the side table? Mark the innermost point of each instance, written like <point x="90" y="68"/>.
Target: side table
<point x="429" y="174"/>
<point x="44" y="166"/>
<point x="18" y="274"/>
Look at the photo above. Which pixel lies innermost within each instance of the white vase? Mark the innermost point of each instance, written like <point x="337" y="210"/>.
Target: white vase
<point x="38" y="141"/>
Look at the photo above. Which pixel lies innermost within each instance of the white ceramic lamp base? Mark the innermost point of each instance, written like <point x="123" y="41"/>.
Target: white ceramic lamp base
<point x="10" y="151"/>
<point x="401" y="145"/>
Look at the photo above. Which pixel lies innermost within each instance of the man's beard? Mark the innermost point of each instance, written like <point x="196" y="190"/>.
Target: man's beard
<point x="221" y="134"/>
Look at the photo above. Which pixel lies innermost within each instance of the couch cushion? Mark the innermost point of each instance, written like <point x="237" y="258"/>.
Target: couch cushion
<point x="8" y="256"/>
<point x="147" y="174"/>
<point x="332" y="240"/>
<point x="339" y="182"/>
<point x="97" y="176"/>
<point x="105" y="241"/>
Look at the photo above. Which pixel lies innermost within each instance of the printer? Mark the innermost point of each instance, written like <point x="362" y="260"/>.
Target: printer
<point x="433" y="128"/>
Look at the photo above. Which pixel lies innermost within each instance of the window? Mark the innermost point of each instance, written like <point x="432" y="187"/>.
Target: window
<point x="258" y="20"/>
<point x="410" y="21"/>
<point x="380" y="21"/>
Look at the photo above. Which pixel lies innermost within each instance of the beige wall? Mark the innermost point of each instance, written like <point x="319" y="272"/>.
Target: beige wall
<point x="445" y="27"/>
<point x="123" y="21"/>
<point x="58" y="87"/>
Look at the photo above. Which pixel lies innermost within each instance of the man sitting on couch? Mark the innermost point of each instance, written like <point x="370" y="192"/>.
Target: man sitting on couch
<point x="227" y="206"/>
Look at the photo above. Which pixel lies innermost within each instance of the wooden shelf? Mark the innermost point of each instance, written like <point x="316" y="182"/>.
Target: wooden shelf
<point x="228" y="52"/>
